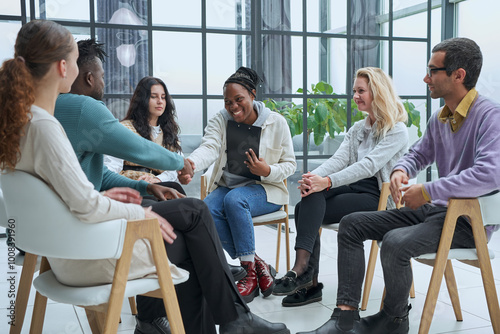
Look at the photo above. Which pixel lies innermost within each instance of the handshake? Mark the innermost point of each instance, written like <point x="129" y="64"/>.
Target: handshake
<point x="186" y="173"/>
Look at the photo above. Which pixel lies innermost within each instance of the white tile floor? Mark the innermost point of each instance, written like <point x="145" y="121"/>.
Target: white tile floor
<point x="68" y="319"/>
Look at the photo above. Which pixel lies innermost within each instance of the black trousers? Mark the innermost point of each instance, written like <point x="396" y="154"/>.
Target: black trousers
<point x="169" y="184"/>
<point x="329" y="207"/>
<point x="208" y="297"/>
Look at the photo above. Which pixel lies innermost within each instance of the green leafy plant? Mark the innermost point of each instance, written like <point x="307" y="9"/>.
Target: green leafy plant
<point x="326" y="115"/>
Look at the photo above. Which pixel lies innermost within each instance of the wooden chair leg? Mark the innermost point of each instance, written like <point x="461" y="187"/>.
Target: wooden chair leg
<point x="382" y="301"/>
<point x="487" y="275"/>
<point x="370" y="271"/>
<point x="40" y="304"/>
<point x="23" y="292"/>
<point x="278" y="245"/>
<point x="451" y="284"/>
<point x="96" y="321"/>
<point x="287" y="242"/>
<point x="133" y="306"/>
<point x="450" y="222"/>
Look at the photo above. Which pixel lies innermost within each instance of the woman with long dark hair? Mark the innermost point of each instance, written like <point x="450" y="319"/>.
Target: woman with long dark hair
<point x="151" y="115"/>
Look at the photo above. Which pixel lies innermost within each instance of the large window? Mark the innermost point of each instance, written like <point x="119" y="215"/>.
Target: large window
<point x="301" y="48"/>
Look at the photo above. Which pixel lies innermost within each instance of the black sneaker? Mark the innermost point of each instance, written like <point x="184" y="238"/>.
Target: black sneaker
<point x="291" y="283"/>
<point x="304" y="296"/>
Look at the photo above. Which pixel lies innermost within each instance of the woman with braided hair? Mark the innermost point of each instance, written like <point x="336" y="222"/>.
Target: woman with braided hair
<point x="234" y="199"/>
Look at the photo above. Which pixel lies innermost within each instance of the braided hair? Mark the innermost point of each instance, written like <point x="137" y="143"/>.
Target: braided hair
<point x="246" y="77"/>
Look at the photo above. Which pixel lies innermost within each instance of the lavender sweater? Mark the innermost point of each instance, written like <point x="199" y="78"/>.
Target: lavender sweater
<point x="468" y="160"/>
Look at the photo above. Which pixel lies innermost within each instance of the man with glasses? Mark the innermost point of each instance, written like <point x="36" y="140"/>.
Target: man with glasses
<point x="463" y="139"/>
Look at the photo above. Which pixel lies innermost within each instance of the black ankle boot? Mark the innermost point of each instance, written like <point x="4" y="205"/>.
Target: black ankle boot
<point x="341" y="322"/>
<point x="249" y="323"/>
<point x="382" y="323"/>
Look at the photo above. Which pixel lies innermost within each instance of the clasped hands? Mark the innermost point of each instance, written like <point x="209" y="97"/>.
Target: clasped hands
<point x="312" y="183"/>
<point x="411" y="196"/>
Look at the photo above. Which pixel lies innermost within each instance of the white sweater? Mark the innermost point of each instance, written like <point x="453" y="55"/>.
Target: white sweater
<point x="47" y="154"/>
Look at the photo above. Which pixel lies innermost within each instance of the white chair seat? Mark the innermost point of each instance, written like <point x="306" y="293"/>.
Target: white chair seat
<point x="334" y="227"/>
<point x="464" y="254"/>
<point x="47" y="285"/>
<point x="280" y="214"/>
<point x="457" y="254"/>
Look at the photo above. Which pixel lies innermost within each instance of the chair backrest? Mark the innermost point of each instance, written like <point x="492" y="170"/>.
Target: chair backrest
<point x="489" y="209"/>
<point x="45" y="226"/>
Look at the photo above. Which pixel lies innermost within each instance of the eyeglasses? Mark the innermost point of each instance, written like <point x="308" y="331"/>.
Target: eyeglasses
<point x="430" y="70"/>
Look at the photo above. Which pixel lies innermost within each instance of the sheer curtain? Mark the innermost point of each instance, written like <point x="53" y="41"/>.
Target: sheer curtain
<point x="127" y="49"/>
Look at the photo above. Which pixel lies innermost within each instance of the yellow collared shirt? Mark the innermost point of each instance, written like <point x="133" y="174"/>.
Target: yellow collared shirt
<point x="456" y="120"/>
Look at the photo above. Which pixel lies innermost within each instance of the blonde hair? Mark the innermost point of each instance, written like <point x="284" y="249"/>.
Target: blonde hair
<point x="386" y="106"/>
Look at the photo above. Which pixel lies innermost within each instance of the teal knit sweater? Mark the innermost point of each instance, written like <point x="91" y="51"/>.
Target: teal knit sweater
<point x="93" y="131"/>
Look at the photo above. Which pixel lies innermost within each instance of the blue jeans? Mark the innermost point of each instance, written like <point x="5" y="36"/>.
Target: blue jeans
<point x="405" y="233"/>
<point x="232" y="211"/>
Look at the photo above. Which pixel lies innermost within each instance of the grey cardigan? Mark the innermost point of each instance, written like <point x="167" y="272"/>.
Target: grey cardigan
<point x="344" y="168"/>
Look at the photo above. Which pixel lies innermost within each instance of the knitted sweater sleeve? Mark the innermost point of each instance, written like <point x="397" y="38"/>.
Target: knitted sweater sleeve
<point x="103" y="134"/>
<point x="394" y="141"/>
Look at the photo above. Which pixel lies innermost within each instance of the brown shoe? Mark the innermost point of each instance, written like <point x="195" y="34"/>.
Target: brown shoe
<point x="264" y="275"/>
<point x="248" y="285"/>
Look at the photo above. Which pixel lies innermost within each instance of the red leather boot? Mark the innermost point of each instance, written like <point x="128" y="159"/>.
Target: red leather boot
<point x="264" y="275"/>
<point x="248" y="286"/>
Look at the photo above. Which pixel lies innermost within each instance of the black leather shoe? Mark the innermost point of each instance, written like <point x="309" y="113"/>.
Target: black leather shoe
<point x="249" y="323"/>
<point x="238" y="272"/>
<point x="382" y="323"/>
<point x="304" y="296"/>
<point x="341" y="322"/>
<point x="291" y="283"/>
<point x="157" y="326"/>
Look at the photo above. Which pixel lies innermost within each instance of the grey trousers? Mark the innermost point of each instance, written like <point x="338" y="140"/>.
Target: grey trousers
<point x="405" y="233"/>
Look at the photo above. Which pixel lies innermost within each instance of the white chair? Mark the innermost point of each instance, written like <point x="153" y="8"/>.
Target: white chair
<point x="44" y="226"/>
<point x="481" y="211"/>
<point x="372" y="259"/>
<point x="278" y="217"/>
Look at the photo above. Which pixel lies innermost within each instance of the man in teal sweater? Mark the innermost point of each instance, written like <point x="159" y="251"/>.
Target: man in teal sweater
<point x="209" y="296"/>
<point x="94" y="131"/>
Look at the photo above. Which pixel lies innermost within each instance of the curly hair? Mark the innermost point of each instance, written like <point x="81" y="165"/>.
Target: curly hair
<point x="88" y="50"/>
<point x="138" y="113"/>
<point x="387" y="107"/>
<point x="38" y="45"/>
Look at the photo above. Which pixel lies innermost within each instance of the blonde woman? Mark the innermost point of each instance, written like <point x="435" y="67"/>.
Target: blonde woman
<point x="349" y="181"/>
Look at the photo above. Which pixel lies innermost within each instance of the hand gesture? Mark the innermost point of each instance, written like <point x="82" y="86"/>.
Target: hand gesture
<point x="167" y="231"/>
<point x="124" y="194"/>
<point x="186" y="173"/>
<point x="257" y="166"/>
<point x="398" y="178"/>
<point x="163" y="193"/>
